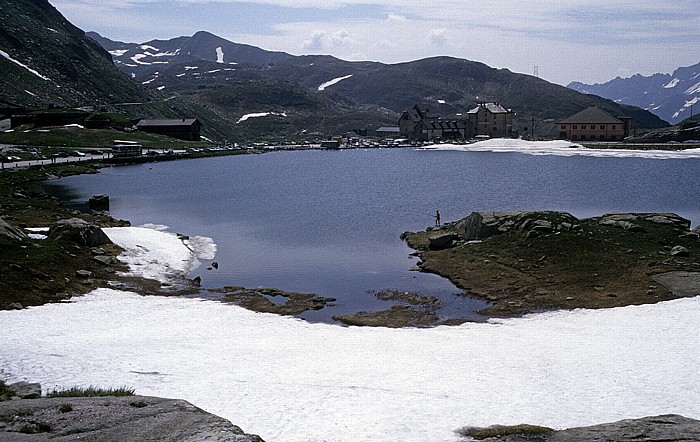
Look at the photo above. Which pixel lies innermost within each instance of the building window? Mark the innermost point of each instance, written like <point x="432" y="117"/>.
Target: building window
<point x="574" y="137"/>
<point x="602" y="127"/>
<point x="583" y="127"/>
<point x="614" y="127"/>
<point x="563" y="127"/>
<point x="575" y="127"/>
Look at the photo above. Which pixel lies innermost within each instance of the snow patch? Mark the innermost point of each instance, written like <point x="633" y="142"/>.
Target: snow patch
<point x="219" y="55"/>
<point x="259" y="115"/>
<point x="561" y="148"/>
<point x="74" y="126"/>
<point x="214" y="71"/>
<point x="203" y="247"/>
<point x="151" y="253"/>
<point x="673" y="83"/>
<point x="118" y="52"/>
<point x="148" y="48"/>
<point x="160" y="88"/>
<point x="441" y="101"/>
<point x="30" y="93"/>
<point x="694" y="89"/>
<point x="332" y="82"/>
<point x="189" y="68"/>
<point x="18" y="63"/>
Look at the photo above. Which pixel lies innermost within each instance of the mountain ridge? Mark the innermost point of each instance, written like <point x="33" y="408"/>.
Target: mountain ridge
<point x="450" y="85"/>
<point x="48" y="61"/>
<point x="669" y="96"/>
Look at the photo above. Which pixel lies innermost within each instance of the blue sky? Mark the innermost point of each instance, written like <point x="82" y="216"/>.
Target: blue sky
<point x="574" y="40"/>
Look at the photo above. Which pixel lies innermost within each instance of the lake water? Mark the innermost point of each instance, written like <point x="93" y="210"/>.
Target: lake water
<point x="328" y="222"/>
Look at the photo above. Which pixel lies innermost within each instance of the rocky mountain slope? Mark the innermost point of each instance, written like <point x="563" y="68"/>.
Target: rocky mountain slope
<point x="45" y="60"/>
<point x="186" y="65"/>
<point x="669" y="96"/>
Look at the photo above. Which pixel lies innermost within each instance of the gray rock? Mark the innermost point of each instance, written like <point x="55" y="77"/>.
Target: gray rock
<point x="670" y="219"/>
<point x="442" y="242"/>
<point x="99" y="202"/>
<point x="104" y="419"/>
<point x="79" y="231"/>
<point x="680" y="251"/>
<point x="26" y="390"/>
<point x="11" y="232"/>
<point x="666" y="428"/>
<point x="621" y="224"/>
<point x="15" y="306"/>
<point x="680" y="283"/>
<point x="106" y="259"/>
<point x="83" y="273"/>
<point x="481" y="225"/>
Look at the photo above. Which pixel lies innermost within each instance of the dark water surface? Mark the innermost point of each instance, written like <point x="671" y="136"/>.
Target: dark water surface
<point x="328" y="222"/>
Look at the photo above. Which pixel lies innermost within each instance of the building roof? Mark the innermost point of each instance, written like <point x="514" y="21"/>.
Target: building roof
<point x="388" y="129"/>
<point x="592" y="115"/>
<point x="178" y="122"/>
<point x="494" y="108"/>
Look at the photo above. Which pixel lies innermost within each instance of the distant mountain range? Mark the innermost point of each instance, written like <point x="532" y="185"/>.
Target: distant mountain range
<point x="668" y="96"/>
<point x="46" y="60"/>
<point x="202" y="62"/>
<point x="242" y="93"/>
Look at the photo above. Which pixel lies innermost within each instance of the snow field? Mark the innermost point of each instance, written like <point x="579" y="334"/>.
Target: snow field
<point x="286" y="379"/>
<point x="561" y="148"/>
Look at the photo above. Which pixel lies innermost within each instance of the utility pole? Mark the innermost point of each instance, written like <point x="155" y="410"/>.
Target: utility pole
<point x="532" y="128"/>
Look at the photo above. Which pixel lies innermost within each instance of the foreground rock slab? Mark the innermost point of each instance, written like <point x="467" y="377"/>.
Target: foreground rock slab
<point x="665" y="428"/>
<point x="111" y="419"/>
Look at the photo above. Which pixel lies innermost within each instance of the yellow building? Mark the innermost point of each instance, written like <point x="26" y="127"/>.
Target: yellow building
<point x="594" y="124"/>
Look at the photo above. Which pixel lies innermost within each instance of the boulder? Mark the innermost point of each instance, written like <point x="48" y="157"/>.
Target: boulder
<point x="680" y="251"/>
<point x="669" y="219"/>
<point x="622" y="224"/>
<point x="26" y="390"/>
<point x="11" y="232"/>
<point x="667" y="428"/>
<point x="79" y="231"/>
<point x="102" y="419"/>
<point x="444" y="241"/>
<point x="99" y="202"/>
<point x="106" y="259"/>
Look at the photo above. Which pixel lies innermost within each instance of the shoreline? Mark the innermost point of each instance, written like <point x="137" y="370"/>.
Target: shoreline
<point x="508" y="296"/>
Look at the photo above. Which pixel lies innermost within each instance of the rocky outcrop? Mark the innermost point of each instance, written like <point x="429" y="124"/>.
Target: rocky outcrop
<point x="109" y="419"/>
<point x="482" y="225"/>
<point x="79" y="231"/>
<point x="13" y="233"/>
<point x="626" y="220"/>
<point x="443" y="241"/>
<point x="666" y="428"/>
<point x="25" y="390"/>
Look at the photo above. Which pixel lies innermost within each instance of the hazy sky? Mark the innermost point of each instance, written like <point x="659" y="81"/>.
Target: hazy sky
<point x="568" y="40"/>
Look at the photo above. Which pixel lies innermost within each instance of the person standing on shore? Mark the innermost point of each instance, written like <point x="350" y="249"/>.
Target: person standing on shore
<point x="437" y="217"/>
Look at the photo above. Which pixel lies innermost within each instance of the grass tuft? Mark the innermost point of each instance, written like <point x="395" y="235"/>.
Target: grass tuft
<point x="91" y="392"/>
<point x="503" y="430"/>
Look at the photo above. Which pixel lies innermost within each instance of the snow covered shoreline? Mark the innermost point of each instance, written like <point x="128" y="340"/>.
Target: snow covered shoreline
<point x="286" y="379"/>
<point x="561" y="148"/>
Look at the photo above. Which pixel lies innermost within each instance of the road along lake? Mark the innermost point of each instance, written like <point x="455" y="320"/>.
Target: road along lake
<point x="328" y="222"/>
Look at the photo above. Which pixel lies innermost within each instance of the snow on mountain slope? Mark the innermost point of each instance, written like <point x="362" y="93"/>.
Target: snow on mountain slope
<point x="669" y="96"/>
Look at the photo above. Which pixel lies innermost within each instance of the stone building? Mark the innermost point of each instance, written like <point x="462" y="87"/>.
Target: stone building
<point x="491" y="120"/>
<point x="187" y="129"/>
<point x="594" y="124"/>
<point x="487" y="119"/>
